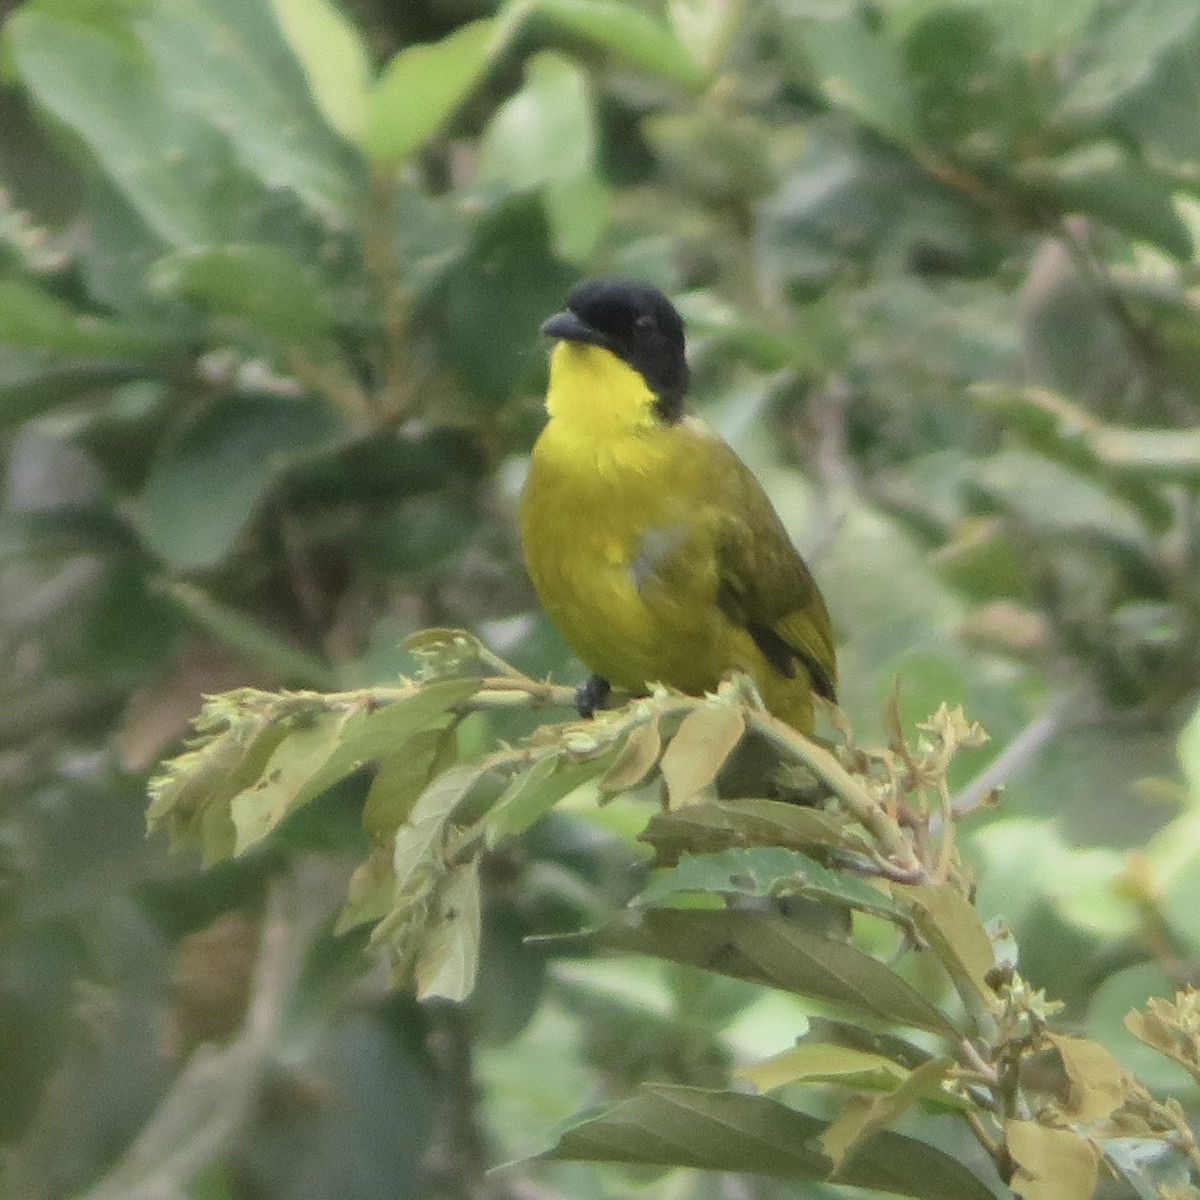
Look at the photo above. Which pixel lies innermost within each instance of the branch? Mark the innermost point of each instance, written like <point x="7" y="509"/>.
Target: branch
<point x="214" y="1095"/>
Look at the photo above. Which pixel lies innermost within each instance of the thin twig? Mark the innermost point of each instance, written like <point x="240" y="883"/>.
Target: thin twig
<point x="1019" y="753"/>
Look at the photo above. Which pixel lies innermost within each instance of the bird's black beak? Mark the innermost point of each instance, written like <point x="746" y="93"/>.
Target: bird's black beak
<point x="570" y="328"/>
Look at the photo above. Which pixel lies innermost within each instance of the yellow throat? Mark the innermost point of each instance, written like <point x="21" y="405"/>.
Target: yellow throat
<point x="595" y="394"/>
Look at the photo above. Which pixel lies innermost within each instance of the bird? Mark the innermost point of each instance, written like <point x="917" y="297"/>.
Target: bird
<point x="651" y="546"/>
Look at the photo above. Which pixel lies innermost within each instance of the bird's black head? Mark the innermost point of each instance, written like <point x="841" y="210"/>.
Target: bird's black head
<point x="638" y="324"/>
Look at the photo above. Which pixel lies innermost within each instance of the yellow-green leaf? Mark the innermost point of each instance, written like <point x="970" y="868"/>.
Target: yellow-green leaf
<point x="535" y="791"/>
<point x="948" y="921"/>
<point x="418" y="841"/>
<point x="1097" y="1080"/>
<point x="1051" y="1164"/>
<point x="377" y="734"/>
<point x="258" y="809"/>
<point x="864" y="1116"/>
<point x="706" y="738"/>
<point x="635" y="760"/>
<point x="825" y="1063"/>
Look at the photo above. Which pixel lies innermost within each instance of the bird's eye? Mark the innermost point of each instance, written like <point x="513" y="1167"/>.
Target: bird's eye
<point x="643" y="325"/>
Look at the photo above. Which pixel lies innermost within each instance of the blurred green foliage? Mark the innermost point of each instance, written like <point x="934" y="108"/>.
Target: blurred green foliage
<point x="271" y="273"/>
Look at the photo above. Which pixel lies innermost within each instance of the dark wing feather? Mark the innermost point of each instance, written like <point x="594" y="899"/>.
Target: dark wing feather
<point x="765" y="586"/>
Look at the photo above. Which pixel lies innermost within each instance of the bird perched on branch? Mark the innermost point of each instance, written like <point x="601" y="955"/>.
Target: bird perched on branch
<point x="650" y="544"/>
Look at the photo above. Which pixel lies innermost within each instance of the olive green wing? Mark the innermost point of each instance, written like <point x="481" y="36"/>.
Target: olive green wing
<point x="764" y="584"/>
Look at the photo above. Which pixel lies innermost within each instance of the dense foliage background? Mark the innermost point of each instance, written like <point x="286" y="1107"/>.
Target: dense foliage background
<point x="271" y="273"/>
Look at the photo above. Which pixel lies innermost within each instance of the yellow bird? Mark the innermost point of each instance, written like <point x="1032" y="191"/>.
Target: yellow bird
<point x="650" y="544"/>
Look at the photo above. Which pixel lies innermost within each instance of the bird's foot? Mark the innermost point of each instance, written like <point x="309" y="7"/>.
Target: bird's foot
<point x="591" y="695"/>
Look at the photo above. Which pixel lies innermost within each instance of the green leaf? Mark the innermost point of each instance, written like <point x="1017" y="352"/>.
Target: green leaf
<point x="1038" y="29"/>
<point x="531" y="794"/>
<point x="578" y="209"/>
<point x="405" y="775"/>
<point x="421" y="88"/>
<point x="260" y="807"/>
<point x="416" y="850"/>
<point x="545" y="136"/>
<point x="448" y="960"/>
<point x="226" y="61"/>
<point x="1188" y="750"/>
<point x="487" y="303"/>
<point x="419" y="538"/>
<point x="262" y="285"/>
<point x="1103" y="182"/>
<point x="32" y="318"/>
<point x="250" y="638"/>
<point x="775" y="951"/>
<point x="1071" y="435"/>
<point x="33" y="382"/>
<point x="717" y="824"/>
<point x="369" y="892"/>
<point x="1052" y="498"/>
<point x="766" y="871"/>
<point x="1157" y="113"/>
<point x="206" y="485"/>
<point x="546" y="131"/>
<point x="706" y="738"/>
<point x="728" y="1131"/>
<point x="374" y="735"/>
<point x="335" y="61"/>
<point x="63" y="532"/>
<point x="859" y="70"/>
<point x="711" y="155"/>
<point x="1124" y="54"/>
<point x="102" y="87"/>
<point x="630" y="33"/>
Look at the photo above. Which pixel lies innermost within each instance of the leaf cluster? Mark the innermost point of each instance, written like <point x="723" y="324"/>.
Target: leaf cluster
<point x="758" y="888"/>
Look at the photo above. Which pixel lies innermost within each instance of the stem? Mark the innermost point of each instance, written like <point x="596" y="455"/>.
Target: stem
<point x="335" y="382"/>
<point x="994" y="1149"/>
<point x="398" y="386"/>
<point x="866" y="810"/>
